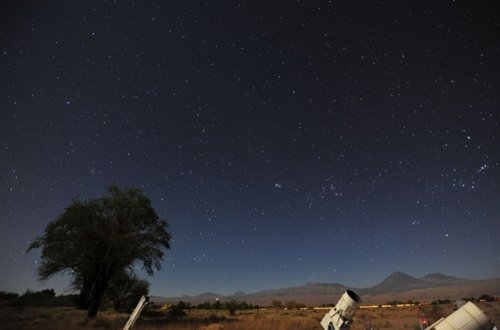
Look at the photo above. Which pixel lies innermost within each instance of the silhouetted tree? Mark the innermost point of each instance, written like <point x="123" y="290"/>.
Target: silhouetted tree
<point x="96" y="239"/>
<point x="292" y="304"/>
<point x="486" y="297"/>
<point x="205" y="305"/>
<point x="232" y="305"/>
<point x="276" y="304"/>
<point x="174" y="313"/>
<point x="8" y="296"/>
<point x="182" y="305"/>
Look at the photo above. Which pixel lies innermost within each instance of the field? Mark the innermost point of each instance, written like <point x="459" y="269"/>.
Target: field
<point x="373" y="318"/>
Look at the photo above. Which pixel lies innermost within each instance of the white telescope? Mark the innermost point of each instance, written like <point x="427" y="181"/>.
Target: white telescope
<point x="467" y="317"/>
<point x="340" y="316"/>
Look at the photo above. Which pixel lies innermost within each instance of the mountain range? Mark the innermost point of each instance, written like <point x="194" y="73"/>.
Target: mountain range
<point x="397" y="286"/>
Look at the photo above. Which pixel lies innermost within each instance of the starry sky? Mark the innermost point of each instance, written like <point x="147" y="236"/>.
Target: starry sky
<point x="285" y="141"/>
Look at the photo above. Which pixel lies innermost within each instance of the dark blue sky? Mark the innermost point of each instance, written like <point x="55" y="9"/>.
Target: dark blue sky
<point x="285" y="141"/>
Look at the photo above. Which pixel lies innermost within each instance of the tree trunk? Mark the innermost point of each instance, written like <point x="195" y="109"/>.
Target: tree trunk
<point x="95" y="300"/>
<point x="82" y="302"/>
<point x="83" y="298"/>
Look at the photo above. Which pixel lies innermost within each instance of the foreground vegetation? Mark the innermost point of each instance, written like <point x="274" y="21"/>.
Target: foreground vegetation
<point x="98" y="241"/>
<point x="18" y="317"/>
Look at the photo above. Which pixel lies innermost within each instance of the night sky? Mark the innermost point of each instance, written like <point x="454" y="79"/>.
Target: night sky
<point x="284" y="141"/>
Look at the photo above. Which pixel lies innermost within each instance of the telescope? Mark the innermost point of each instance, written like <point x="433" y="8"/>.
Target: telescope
<point x="467" y="317"/>
<point x="340" y="316"/>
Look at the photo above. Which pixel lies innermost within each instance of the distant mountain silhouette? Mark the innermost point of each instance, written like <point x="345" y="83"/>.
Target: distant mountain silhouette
<point x="397" y="285"/>
<point x="401" y="282"/>
<point x="437" y="278"/>
<point x="397" y="282"/>
<point x="208" y="296"/>
<point x="238" y="294"/>
<point x="307" y="289"/>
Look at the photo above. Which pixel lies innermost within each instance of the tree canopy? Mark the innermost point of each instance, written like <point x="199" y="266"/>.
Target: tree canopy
<point x="96" y="239"/>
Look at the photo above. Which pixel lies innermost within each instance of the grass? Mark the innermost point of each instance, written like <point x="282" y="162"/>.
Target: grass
<point x="68" y="318"/>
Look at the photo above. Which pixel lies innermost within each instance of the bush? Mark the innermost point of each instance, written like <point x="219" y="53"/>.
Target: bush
<point x="8" y="296"/>
<point x="44" y="298"/>
<point x="175" y="313"/>
<point x="486" y="297"/>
